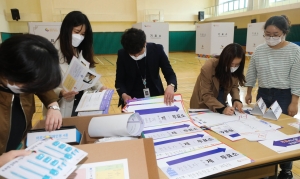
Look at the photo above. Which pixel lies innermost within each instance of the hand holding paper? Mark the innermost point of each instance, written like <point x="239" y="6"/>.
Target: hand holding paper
<point x="126" y="97"/>
<point x="6" y="157"/>
<point x="68" y="95"/>
<point x="78" y="77"/>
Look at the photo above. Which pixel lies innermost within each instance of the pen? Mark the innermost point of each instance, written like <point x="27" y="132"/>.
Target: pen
<point x="234" y="112"/>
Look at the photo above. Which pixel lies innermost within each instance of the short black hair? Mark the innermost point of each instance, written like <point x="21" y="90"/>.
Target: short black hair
<point x="133" y="40"/>
<point x="30" y="60"/>
<point x="74" y="19"/>
<point x="281" y="22"/>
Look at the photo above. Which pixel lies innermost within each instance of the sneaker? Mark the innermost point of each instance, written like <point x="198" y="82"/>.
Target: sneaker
<point x="285" y="175"/>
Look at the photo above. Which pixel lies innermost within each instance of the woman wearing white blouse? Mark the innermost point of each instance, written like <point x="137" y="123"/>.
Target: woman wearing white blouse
<point x="75" y="36"/>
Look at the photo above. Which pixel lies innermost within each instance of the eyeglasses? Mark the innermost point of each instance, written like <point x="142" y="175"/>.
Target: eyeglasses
<point x="267" y="37"/>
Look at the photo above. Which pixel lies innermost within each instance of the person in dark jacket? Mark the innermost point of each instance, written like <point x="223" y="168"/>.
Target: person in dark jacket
<point x="138" y="65"/>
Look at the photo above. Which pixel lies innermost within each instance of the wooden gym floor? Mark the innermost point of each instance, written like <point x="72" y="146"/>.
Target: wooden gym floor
<point x="187" y="68"/>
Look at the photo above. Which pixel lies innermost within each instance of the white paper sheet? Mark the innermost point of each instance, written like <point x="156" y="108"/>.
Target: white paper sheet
<point x="295" y="125"/>
<point x="177" y="105"/>
<point x="89" y="113"/>
<point x="263" y="135"/>
<point x="164" y="118"/>
<point x="170" y="130"/>
<point x="202" y="163"/>
<point x="214" y="119"/>
<point x="114" y="169"/>
<point x="170" y="146"/>
<point x="116" y="125"/>
<point x="283" y="144"/>
<point x="90" y="101"/>
<point x="78" y="77"/>
<point x="227" y="132"/>
<point x="156" y="99"/>
<point x="250" y="125"/>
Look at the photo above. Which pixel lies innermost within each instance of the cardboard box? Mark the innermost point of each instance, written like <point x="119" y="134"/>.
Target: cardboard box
<point x="139" y="153"/>
<point x="68" y="134"/>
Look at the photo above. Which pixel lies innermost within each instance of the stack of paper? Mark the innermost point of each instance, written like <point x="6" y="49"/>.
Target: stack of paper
<point x="183" y="149"/>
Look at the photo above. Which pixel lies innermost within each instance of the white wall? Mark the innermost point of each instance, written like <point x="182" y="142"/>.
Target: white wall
<point x="107" y="15"/>
<point x="4" y="27"/>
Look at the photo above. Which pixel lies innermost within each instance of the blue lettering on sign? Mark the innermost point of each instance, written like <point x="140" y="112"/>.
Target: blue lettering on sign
<point x="171" y="172"/>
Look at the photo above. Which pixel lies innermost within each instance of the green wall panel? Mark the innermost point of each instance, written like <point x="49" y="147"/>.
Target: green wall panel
<point x="294" y="34"/>
<point x="240" y="36"/>
<point x="5" y="35"/>
<point x="182" y="41"/>
<point x="107" y="42"/>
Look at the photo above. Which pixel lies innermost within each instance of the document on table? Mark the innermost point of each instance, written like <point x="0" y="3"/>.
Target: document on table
<point x="95" y="101"/>
<point x="114" y="169"/>
<point x="170" y="146"/>
<point x="227" y="132"/>
<point x="156" y="99"/>
<point x="295" y="125"/>
<point x="170" y="130"/>
<point x="78" y="77"/>
<point x="263" y="135"/>
<point x="252" y="125"/>
<point x="130" y="124"/>
<point x="283" y="144"/>
<point x="49" y="159"/>
<point x="90" y="113"/>
<point x="164" y="118"/>
<point x="214" y="119"/>
<point x="90" y="101"/>
<point x="202" y="163"/>
<point x="154" y="108"/>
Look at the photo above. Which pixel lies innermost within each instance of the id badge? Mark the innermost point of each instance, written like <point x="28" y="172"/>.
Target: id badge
<point x="146" y="92"/>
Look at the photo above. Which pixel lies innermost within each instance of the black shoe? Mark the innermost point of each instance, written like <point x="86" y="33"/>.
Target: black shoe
<point x="285" y="175"/>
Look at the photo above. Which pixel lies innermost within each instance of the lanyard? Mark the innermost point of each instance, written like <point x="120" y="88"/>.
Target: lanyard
<point x="143" y="79"/>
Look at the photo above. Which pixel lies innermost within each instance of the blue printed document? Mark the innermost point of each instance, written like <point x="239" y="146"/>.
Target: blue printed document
<point x="50" y="159"/>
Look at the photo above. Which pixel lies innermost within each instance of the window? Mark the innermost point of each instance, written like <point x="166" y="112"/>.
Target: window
<point x="231" y="5"/>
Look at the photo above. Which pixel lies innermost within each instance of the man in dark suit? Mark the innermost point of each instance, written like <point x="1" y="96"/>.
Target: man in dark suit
<point x="138" y="64"/>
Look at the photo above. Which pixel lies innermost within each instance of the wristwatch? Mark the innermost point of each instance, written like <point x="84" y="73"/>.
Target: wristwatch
<point x="171" y="84"/>
<point x="54" y="107"/>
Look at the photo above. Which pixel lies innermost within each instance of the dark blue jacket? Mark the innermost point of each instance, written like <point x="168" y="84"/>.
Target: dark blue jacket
<point x="156" y="59"/>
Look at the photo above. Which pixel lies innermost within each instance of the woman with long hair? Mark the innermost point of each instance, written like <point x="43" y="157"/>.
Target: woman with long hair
<point x="75" y="36"/>
<point x="218" y="77"/>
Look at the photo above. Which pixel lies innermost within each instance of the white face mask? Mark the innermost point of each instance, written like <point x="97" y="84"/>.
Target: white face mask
<point x="14" y="88"/>
<point x="233" y="69"/>
<point x="272" y="42"/>
<point x="77" y="39"/>
<point x="139" y="57"/>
